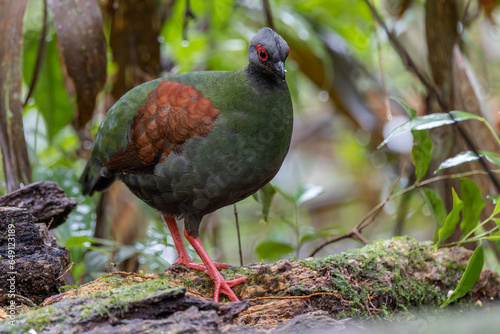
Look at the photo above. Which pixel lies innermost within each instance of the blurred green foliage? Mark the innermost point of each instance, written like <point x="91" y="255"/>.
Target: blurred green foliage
<point x="333" y="175"/>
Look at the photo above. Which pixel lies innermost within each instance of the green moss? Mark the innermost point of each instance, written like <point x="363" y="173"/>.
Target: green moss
<point x="97" y="303"/>
<point x="377" y="281"/>
<point x="67" y="288"/>
<point x="379" y="278"/>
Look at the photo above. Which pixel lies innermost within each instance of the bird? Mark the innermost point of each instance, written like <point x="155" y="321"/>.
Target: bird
<point x="191" y="143"/>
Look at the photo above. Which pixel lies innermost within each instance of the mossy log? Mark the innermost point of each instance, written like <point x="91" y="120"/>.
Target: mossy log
<point x="387" y="277"/>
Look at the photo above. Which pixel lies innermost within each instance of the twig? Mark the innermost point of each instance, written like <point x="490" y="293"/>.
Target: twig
<point x="269" y="14"/>
<point x="373" y="212"/>
<point x="410" y="64"/>
<point x="361" y="225"/>
<point x="188" y="14"/>
<point x="72" y="264"/>
<point x="354" y="233"/>
<point x="357" y="233"/>
<point x="387" y="102"/>
<point x="39" y="56"/>
<point x="50" y="223"/>
<point x="239" y="234"/>
<point x="336" y="295"/>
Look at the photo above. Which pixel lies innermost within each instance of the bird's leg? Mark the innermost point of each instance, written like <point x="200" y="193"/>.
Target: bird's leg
<point x="184" y="257"/>
<point x="221" y="285"/>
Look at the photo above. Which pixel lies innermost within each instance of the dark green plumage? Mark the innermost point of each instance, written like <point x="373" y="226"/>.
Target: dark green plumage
<point x="244" y="138"/>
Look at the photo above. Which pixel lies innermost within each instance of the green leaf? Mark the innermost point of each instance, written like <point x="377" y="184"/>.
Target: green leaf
<point x="437" y="208"/>
<point x="468" y="156"/>
<point x="412" y="113"/>
<point x="497" y="222"/>
<point x="265" y="196"/>
<point x="78" y="241"/>
<point x="419" y="123"/>
<point x="50" y="94"/>
<point x="493" y="198"/>
<point x="470" y="276"/>
<point x="457" y="160"/>
<point x="496" y="210"/>
<point x="473" y="204"/>
<point x="222" y="11"/>
<point x="89" y="242"/>
<point x="272" y="250"/>
<point x="421" y="152"/>
<point x="429" y="122"/>
<point x="306" y="193"/>
<point x="451" y="220"/>
<point x="491" y="156"/>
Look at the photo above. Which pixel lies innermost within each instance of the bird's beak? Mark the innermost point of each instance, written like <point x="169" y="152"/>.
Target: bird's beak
<point x="279" y="67"/>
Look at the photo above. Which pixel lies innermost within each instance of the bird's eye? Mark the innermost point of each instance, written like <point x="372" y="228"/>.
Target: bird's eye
<point x="261" y="52"/>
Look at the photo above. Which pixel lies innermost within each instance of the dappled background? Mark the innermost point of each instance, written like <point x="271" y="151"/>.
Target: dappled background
<point x="64" y="64"/>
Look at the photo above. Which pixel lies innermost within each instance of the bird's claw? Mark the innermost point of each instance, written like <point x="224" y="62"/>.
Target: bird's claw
<point x="223" y="286"/>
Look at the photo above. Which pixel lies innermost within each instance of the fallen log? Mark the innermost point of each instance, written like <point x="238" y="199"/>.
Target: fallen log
<point x="384" y="279"/>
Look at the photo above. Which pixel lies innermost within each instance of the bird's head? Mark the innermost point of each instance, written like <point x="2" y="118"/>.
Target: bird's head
<point x="267" y="53"/>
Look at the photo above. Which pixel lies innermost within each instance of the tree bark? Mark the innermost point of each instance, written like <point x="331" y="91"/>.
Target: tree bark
<point x="45" y="201"/>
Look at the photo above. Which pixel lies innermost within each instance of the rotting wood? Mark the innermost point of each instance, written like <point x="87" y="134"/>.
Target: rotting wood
<point x="45" y="200"/>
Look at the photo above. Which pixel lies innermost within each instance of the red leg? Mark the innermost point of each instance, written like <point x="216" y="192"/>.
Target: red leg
<point x="184" y="257"/>
<point x="221" y="285"/>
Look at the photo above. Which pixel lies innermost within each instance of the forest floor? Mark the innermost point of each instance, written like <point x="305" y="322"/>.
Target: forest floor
<point x="386" y="281"/>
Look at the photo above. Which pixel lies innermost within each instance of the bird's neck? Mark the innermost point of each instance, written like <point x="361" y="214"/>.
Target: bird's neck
<point x="264" y="81"/>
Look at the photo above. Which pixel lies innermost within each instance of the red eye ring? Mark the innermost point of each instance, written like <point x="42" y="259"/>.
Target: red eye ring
<point x="261" y="52"/>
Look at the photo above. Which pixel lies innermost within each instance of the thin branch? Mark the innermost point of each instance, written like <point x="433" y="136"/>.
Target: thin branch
<point x="269" y="14"/>
<point x="370" y="216"/>
<point x="188" y="14"/>
<point x="239" y="234"/>
<point x="410" y="64"/>
<point x="39" y="56"/>
<point x="64" y="274"/>
<point x="361" y="225"/>
<point x="387" y="102"/>
<point x="356" y="231"/>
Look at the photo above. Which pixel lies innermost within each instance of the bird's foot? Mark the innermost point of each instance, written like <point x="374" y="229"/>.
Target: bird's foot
<point x="223" y="286"/>
<point x="184" y="258"/>
<point x="199" y="266"/>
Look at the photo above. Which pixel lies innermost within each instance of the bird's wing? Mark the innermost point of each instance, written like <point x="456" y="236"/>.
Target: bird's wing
<point x="172" y="113"/>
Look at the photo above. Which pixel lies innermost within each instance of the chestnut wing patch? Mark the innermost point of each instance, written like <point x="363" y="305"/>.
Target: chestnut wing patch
<point x="172" y="114"/>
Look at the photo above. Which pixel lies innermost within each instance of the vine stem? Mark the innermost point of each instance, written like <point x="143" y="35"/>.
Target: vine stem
<point x="238" y="233"/>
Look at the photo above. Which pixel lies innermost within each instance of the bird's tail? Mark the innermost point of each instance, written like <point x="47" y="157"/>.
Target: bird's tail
<point x="95" y="177"/>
